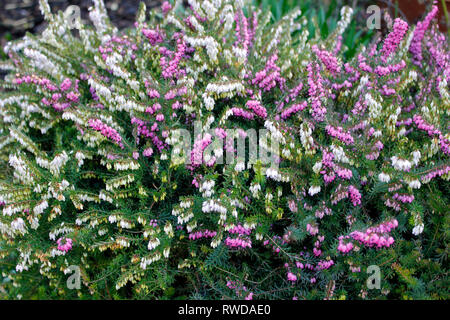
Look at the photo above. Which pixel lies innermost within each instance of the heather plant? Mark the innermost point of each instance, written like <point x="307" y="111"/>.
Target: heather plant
<point x="119" y="162"/>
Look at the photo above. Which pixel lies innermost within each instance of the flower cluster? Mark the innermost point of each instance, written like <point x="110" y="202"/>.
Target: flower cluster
<point x="126" y="147"/>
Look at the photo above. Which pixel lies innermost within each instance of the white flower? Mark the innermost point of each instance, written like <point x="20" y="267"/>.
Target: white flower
<point x="415" y="184"/>
<point x="418" y="229"/>
<point x="314" y="190"/>
<point x="384" y="177"/>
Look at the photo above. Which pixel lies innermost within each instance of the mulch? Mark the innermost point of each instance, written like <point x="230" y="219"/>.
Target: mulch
<point x="19" y="16"/>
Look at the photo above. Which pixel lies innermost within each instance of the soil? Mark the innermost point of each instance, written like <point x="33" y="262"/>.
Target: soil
<point x="19" y="16"/>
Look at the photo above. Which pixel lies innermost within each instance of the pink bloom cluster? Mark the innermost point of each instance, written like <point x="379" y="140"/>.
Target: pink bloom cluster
<point x="154" y="36"/>
<point x="405" y="198"/>
<point x="432" y="131"/>
<point x="316" y="92"/>
<point x="435" y="173"/>
<point x="324" y="264"/>
<point x="238" y="243"/>
<point x="106" y="131"/>
<point x="419" y="33"/>
<point x="384" y="71"/>
<point x="197" y="151"/>
<point x="118" y="44"/>
<point x="202" y="234"/>
<point x="239" y="229"/>
<point x="312" y="229"/>
<point x="245" y="39"/>
<point x="268" y="78"/>
<point x="257" y="108"/>
<point x="240" y="289"/>
<point x="59" y="100"/>
<point x="373" y="237"/>
<point x="355" y="196"/>
<point x="171" y="70"/>
<point x="64" y="244"/>
<point x="330" y="62"/>
<point x="394" y="38"/>
<point x="239" y="112"/>
<point x="339" y="133"/>
<point x="293" y="110"/>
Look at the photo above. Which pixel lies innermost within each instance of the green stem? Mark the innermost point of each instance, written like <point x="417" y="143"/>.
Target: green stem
<point x="447" y="19"/>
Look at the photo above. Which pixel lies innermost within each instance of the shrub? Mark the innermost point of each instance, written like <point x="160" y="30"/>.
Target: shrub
<point x="97" y="172"/>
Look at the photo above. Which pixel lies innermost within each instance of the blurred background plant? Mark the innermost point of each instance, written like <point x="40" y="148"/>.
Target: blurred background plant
<point x="19" y="16"/>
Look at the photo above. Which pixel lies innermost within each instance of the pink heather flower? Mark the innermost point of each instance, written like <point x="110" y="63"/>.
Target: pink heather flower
<point x="148" y="152"/>
<point x="268" y="78"/>
<point x="166" y="7"/>
<point x="64" y="244"/>
<point x="106" y="131"/>
<point x="170" y="69"/>
<point x="330" y="62"/>
<point x="66" y="84"/>
<point x="316" y="92"/>
<point x="339" y="133"/>
<point x="394" y="38"/>
<point x="238" y="243"/>
<point x="257" y="108"/>
<point x="355" y="196"/>
<point x="286" y="113"/>
<point x="416" y="43"/>
<point x="153" y="36"/>
<point x="291" y="277"/>
<point x="249" y="296"/>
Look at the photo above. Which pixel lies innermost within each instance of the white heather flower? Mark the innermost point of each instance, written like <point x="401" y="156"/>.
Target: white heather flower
<point x="254" y="189"/>
<point x="401" y="164"/>
<point x="384" y="177"/>
<point x="166" y="252"/>
<point x="40" y="207"/>
<point x="317" y="167"/>
<point x="415" y="184"/>
<point x="314" y="190"/>
<point x="416" y="157"/>
<point x="418" y="229"/>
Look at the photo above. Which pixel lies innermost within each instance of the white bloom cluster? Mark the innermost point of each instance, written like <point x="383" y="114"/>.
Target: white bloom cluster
<point x="274" y="174"/>
<point x="276" y="134"/>
<point x="58" y="162"/>
<point x="40" y="61"/>
<point x="346" y="14"/>
<point x="40" y="207"/>
<point x="153" y="243"/>
<point x="80" y="156"/>
<point x="339" y="154"/>
<point x="212" y="47"/>
<point x="127" y="164"/>
<point x="118" y="182"/>
<point x="21" y="170"/>
<point x="416" y="155"/>
<point x="418" y="229"/>
<point x="146" y="261"/>
<point x="375" y="107"/>
<point x="18" y="226"/>
<point x="306" y="138"/>
<point x="384" y="177"/>
<point x="414" y="184"/>
<point x="60" y="231"/>
<point x="317" y="167"/>
<point x="314" y="190"/>
<point x="401" y="164"/>
<point x="225" y="88"/>
<point x="207" y="188"/>
<point x="213" y="206"/>
<point x="255" y="188"/>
